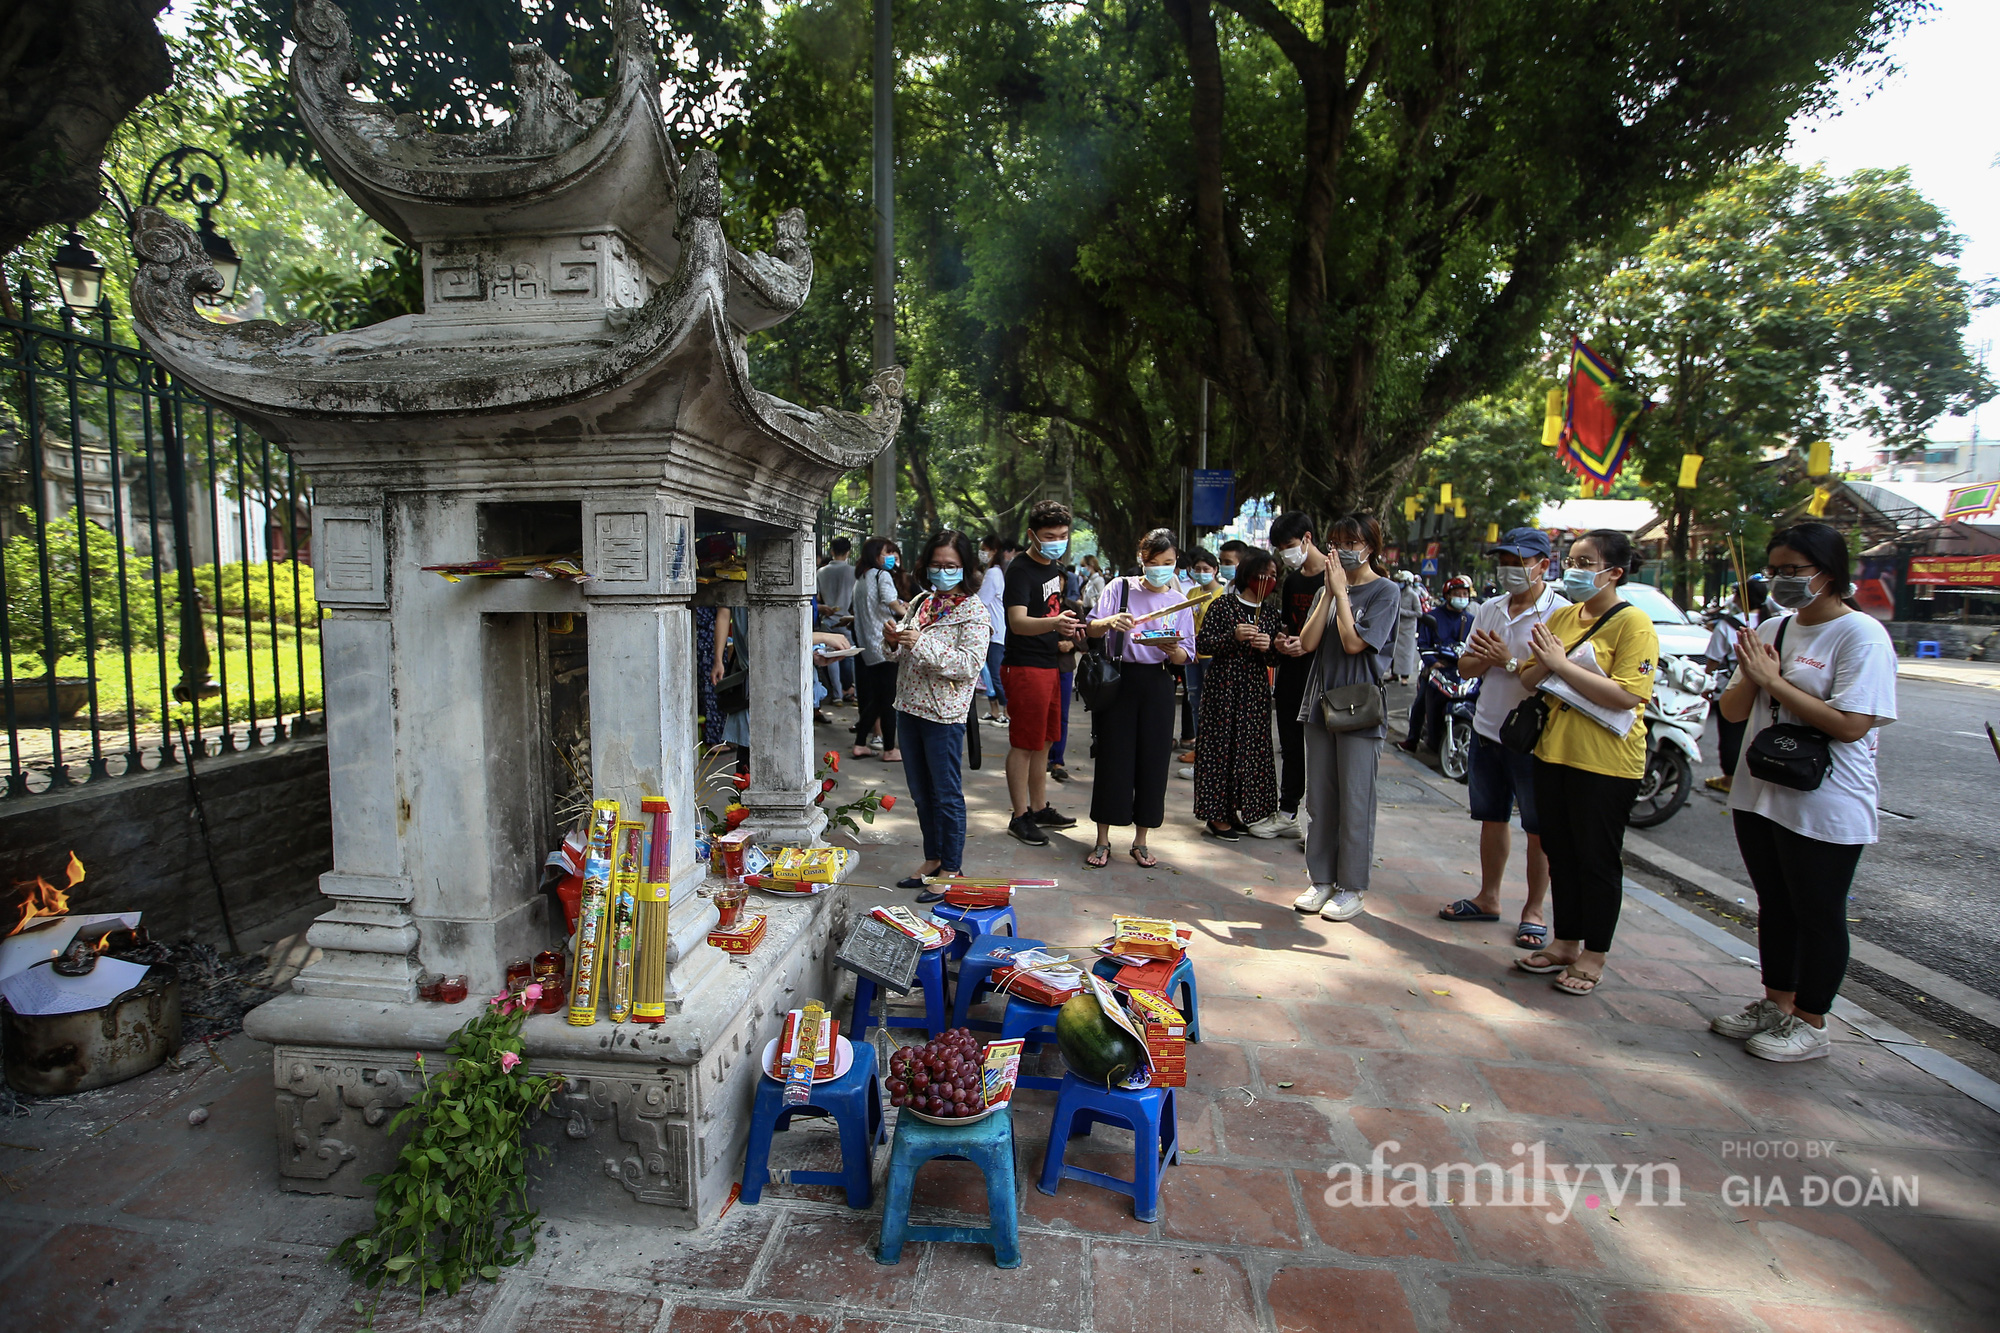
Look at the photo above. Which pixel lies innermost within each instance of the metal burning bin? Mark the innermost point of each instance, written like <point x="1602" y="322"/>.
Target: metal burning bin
<point x="51" y="1054"/>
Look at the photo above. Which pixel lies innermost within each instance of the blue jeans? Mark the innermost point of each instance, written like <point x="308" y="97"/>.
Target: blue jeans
<point x="1497" y="780"/>
<point x="1191" y="673"/>
<point x="1062" y="741"/>
<point x="994" y="689"/>
<point x="930" y="765"/>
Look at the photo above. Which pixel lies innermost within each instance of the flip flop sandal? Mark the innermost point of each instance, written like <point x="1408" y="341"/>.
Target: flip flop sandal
<point x="1572" y="982"/>
<point x="1145" y="859"/>
<point x="1466" y="910"/>
<point x="1539" y="969"/>
<point x="1100" y="856"/>
<point x="1531" y="935"/>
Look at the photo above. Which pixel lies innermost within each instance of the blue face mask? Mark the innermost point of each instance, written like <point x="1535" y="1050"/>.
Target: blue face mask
<point x="1054" y="550"/>
<point x="1159" y="575"/>
<point x="1203" y="577"/>
<point x="888" y="562"/>
<point x="1580" y="585"/>
<point x="944" y="580"/>
<point x="1227" y="573"/>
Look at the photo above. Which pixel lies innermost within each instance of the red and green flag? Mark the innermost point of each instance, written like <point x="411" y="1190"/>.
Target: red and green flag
<point x="1964" y="502"/>
<point x="1594" y="438"/>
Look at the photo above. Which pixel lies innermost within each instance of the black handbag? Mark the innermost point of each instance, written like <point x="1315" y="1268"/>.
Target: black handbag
<point x="1098" y="673"/>
<point x="1345" y="708"/>
<point x="1522" y="731"/>
<point x="1789" y="754"/>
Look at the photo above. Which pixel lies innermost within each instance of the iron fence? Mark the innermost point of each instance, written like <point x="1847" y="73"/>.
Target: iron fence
<point x="155" y="585"/>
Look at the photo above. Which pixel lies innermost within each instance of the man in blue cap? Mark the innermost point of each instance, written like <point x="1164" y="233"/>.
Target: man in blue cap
<point x="1500" y="779"/>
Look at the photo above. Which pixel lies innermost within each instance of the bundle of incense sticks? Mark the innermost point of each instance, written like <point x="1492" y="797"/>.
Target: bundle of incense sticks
<point x="629" y="854"/>
<point x="649" y="982"/>
<point x="590" y="914"/>
<point x="799" y="1076"/>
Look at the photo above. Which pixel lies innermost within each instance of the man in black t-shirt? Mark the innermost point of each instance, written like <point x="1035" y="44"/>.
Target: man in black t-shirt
<point x="1305" y="575"/>
<point x="1039" y="632"/>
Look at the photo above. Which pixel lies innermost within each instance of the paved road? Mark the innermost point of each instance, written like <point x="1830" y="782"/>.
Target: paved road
<point x="1930" y="890"/>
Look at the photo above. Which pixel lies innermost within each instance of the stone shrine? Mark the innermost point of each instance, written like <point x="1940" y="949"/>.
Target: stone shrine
<point x="576" y="382"/>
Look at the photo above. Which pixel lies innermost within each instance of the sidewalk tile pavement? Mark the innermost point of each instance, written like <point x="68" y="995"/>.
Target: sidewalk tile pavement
<point x="1398" y="1038"/>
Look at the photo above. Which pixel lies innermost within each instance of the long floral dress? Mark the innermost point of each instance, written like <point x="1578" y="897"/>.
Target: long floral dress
<point x="1233" y="772"/>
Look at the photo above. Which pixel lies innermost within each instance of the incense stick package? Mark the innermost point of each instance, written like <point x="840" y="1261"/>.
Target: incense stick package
<point x="649" y="981"/>
<point x="799" y="1077"/>
<point x="590" y="914"/>
<point x="631" y="848"/>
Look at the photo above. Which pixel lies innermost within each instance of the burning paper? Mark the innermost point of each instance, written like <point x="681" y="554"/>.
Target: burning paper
<point x="38" y="990"/>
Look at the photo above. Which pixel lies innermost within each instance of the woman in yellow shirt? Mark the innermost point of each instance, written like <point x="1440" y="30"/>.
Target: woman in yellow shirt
<point x="1586" y="774"/>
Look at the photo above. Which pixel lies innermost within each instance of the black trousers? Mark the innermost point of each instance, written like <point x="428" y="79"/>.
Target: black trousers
<point x="1729" y="742"/>
<point x="1801" y="888"/>
<point x="1583" y="834"/>
<point x="875" y="693"/>
<point x="1286" y="696"/>
<point x="1132" y="742"/>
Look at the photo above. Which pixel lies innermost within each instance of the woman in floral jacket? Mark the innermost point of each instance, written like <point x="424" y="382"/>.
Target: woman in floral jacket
<point x="940" y="647"/>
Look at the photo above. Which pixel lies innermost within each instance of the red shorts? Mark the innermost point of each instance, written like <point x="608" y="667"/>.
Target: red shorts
<point x="1034" y="706"/>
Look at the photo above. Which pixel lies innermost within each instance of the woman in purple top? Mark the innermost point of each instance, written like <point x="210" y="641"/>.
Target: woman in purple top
<point x="1132" y="738"/>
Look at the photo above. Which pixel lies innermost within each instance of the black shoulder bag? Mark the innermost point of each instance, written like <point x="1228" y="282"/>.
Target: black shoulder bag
<point x="1522" y="731"/>
<point x="1789" y="754"/>
<point x="1097" y="668"/>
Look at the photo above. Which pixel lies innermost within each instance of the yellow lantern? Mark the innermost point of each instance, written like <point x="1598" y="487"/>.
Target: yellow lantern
<point x="1409" y="509"/>
<point x="1458" y="509"/>
<point x="1819" y="459"/>
<point x="1817" y="505"/>
<point x="1552" y="420"/>
<point x="1492" y="533"/>
<point x="1444" y="493"/>
<point x="1438" y="508"/>
<point x="1690" y="466"/>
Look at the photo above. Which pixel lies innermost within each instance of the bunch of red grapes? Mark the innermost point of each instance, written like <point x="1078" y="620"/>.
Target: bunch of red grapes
<point x="943" y="1077"/>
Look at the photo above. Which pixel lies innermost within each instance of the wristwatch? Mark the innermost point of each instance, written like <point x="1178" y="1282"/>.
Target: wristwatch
<point x="1513" y="666"/>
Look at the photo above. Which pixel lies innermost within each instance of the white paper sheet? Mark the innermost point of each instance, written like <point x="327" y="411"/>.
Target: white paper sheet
<point x="40" y="943"/>
<point x="39" y="990"/>
<point x="1616" y="721"/>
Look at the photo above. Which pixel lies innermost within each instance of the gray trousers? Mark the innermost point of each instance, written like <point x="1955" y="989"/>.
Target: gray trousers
<point x="1340" y="806"/>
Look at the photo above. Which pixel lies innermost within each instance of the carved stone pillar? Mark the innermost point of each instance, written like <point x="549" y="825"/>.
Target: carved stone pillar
<point x="640" y="551"/>
<point x="782" y="786"/>
<point x="368" y="939"/>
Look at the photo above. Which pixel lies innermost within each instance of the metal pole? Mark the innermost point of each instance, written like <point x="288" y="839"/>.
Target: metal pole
<point x="882" y="489"/>
<point x="1204" y="424"/>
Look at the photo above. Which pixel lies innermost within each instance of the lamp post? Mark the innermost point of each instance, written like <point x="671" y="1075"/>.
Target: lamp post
<point x="183" y="175"/>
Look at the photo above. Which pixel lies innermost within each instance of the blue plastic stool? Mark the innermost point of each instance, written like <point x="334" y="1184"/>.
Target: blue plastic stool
<point x="1149" y="1113"/>
<point x="1037" y="1024"/>
<point x="1930" y="648"/>
<point x="971" y="922"/>
<point x="987" y="953"/>
<point x="854" y="1100"/>
<point x="987" y="1144"/>
<point x="930" y="976"/>
<point x="1179" y="982"/>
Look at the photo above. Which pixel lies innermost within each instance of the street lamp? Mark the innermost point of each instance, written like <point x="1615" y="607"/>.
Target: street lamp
<point x="79" y="274"/>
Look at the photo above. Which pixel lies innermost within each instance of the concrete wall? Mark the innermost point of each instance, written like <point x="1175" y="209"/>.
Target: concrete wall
<point x="1954" y="639"/>
<point x="141" y="847"/>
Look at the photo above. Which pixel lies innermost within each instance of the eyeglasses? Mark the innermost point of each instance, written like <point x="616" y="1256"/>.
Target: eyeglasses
<point x="1789" y="571"/>
<point x="1582" y="562"/>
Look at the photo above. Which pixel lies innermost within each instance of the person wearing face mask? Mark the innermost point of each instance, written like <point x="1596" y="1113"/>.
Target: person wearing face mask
<point x="1444" y="626"/>
<point x="1498" y="780"/>
<point x="1830" y="668"/>
<point x="1586" y="774"/>
<point x="939" y="654"/>
<point x="1133" y="736"/>
<point x="1302" y="571"/>
<point x="993" y="557"/>
<point x="1040" y="629"/>
<point x="1407" y="663"/>
<point x="1200" y="583"/>
<point x="1235" y="779"/>
<point x="876" y="604"/>
<point x="1347" y="638"/>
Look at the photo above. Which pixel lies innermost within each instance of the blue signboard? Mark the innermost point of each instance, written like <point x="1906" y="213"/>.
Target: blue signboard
<point x="1429" y="568"/>
<point x="1214" y="499"/>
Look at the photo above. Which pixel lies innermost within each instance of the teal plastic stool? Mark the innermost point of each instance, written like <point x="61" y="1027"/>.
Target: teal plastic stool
<point x="1182" y="992"/>
<point x="1151" y="1115"/>
<point x="987" y="1144"/>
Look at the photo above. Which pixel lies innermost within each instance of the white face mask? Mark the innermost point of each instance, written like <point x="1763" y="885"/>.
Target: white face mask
<point x="1456" y="603"/>
<point x="1514" y="578"/>
<point x="1293" y="556"/>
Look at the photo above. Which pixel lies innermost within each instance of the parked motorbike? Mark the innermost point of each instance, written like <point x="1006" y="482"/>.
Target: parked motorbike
<point x="1461" y="696"/>
<point x="1674" y="719"/>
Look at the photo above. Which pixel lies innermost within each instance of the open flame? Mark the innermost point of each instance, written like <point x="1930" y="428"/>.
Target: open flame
<point x="35" y="899"/>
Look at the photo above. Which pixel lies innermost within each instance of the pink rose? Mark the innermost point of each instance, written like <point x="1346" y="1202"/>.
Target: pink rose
<point x="508" y="1060"/>
<point x="533" y="993"/>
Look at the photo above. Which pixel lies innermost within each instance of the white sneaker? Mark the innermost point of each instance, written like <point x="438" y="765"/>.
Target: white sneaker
<point x="1756" y="1016"/>
<point x="1270" y="826"/>
<point x="1313" y="899"/>
<point x="1344" y="906"/>
<point x="1791" y="1038"/>
<point x="1185" y="772"/>
<point x="1288" y="825"/>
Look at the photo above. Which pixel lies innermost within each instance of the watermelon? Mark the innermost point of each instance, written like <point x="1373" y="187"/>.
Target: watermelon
<point x="1094" y="1047"/>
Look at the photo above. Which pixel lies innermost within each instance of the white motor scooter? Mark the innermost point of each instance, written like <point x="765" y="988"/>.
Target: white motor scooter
<point x="1675" y="716"/>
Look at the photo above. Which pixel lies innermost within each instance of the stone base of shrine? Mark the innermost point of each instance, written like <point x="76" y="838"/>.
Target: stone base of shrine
<point x="652" y="1125"/>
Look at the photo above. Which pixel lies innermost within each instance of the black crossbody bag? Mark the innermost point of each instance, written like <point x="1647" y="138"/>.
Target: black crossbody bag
<point x="1789" y="754"/>
<point x="1098" y="672"/>
<point x="1522" y="731"/>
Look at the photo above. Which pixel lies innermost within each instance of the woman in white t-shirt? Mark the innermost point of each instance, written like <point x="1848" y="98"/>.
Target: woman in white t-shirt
<point x="1832" y="668"/>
